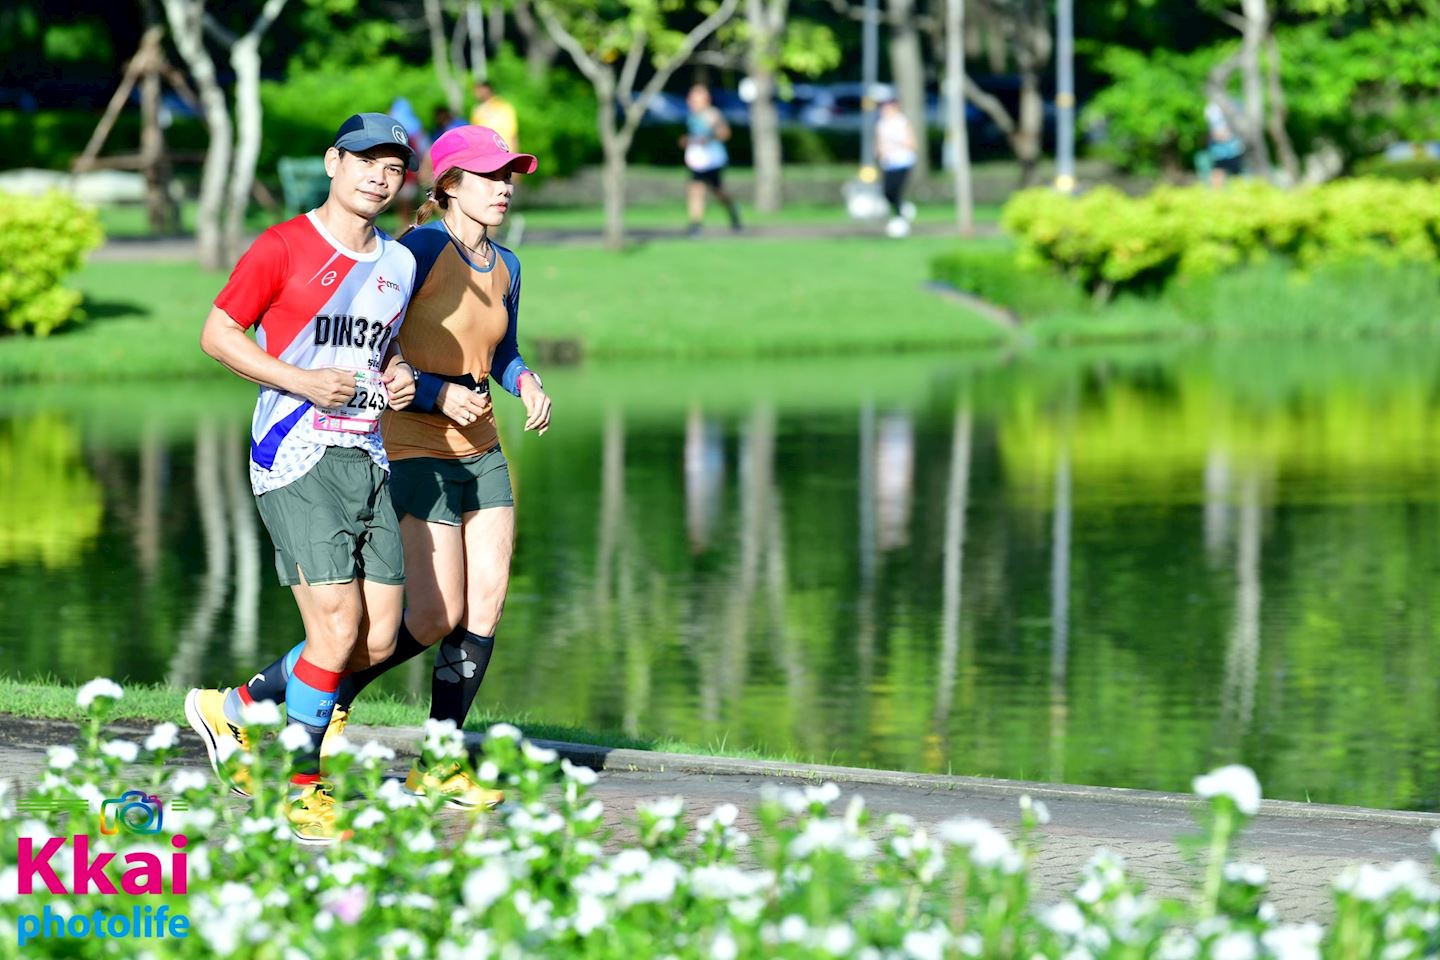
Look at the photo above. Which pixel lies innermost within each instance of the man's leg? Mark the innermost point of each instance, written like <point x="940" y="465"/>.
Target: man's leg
<point x="332" y="614"/>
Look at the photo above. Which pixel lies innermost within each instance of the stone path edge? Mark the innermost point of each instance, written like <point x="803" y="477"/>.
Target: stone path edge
<point x="405" y="741"/>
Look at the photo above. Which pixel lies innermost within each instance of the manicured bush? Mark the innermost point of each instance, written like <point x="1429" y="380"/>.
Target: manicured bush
<point x="991" y="274"/>
<point x="1107" y="242"/>
<point x="537" y="878"/>
<point x="41" y="240"/>
<point x="1420" y="168"/>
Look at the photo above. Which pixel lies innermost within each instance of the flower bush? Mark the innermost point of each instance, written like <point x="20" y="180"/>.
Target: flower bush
<point x="1106" y="241"/>
<point x="821" y="876"/>
<point x="42" y="239"/>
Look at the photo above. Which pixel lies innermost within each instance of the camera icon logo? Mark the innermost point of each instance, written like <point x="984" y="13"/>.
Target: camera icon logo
<point x="136" y="812"/>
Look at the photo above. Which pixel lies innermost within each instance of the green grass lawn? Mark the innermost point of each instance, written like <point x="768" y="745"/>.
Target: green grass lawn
<point x="730" y="298"/>
<point x="155" y="703"/>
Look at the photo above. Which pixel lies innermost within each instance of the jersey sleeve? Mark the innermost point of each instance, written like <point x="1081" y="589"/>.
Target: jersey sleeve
<point x="257" y="280"/>
<point x="508" y="365"/>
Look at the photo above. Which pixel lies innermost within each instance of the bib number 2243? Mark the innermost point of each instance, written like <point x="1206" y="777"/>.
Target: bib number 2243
<point x="362" y="413"/>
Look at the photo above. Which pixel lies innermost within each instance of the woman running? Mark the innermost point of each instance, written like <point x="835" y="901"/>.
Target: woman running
<point x="705" y="155"/>
<point x="449" y="480"/>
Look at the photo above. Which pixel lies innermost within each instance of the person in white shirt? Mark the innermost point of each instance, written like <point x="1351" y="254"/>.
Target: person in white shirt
<point x="895" y="153"/>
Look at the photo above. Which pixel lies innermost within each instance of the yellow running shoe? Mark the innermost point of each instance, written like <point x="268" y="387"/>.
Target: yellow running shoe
<point x="313" y="815"/>
<point x="452" y="783"/>
<point x="205" y="709"/>
<point x="338" y="719"/>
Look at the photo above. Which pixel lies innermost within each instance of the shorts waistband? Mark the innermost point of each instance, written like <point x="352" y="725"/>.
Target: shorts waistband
<point x="347" y="453"/>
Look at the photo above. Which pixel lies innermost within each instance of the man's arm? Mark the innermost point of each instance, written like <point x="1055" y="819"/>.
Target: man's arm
<point x="226" y="341"/>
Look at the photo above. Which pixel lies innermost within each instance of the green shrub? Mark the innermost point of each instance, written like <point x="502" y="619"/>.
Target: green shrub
<point x="41" y="240"/>
<point x="991" y="274"/>
<point x="52" y="139"/>
<point x="1106" y="241"/>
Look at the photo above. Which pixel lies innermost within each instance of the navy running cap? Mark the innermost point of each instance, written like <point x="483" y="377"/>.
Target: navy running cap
<point x="366" y="130"/>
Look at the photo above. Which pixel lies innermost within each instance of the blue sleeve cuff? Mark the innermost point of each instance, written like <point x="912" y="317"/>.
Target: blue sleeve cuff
<point x="427" y="391"/>
<point x="510" y="377"/>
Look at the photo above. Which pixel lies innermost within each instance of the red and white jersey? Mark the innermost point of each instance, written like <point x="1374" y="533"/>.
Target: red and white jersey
<point x="317" y="305"/>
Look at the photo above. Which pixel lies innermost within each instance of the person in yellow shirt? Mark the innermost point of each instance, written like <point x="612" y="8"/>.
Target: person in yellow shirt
<point x="497" y="113"/>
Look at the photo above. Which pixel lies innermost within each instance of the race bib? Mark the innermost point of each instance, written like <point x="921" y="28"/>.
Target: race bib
<point x="362" y="413"/>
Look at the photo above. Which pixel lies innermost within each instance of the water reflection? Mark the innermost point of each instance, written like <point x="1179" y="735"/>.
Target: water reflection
<point x="1095" y="573"/>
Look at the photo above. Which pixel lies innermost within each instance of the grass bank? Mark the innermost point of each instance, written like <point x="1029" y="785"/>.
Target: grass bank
<point x="730" y="299"/>
<point x="1269" y="299"/>
<point x="49" y="699"/>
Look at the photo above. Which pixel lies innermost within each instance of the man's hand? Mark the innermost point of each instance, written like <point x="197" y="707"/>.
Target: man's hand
<point x="537" y="405"/>
<point x="326" y="387"/>
<point x="399" y="382"/>
<point x="462" y="405"/>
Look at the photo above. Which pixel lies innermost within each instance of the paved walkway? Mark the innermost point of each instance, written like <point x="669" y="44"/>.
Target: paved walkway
<point x="129" y="249"/>
<point x="1303" y="846"/>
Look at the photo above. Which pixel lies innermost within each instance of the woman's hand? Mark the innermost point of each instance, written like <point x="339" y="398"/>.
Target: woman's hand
<point x="462" y="405"/>
<point x="537" y="405"/>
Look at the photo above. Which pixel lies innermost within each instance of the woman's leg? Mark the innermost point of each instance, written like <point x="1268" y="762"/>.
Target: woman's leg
<point x="489" y="542"/>
<point x="695" y="202"/>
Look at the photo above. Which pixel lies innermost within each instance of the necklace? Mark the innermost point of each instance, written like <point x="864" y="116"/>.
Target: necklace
<point x="483" y="257"/>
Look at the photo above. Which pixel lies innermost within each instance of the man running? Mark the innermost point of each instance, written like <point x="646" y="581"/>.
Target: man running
<point x="326" y="292"/>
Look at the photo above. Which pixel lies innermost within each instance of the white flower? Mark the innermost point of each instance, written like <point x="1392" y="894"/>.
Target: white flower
<point x="723" y="816"/>
<point x="837" y="940"/>
<point x="1250" y="874"/>
<point x="825" y="794"/>
<point x="62" y="758"/>
<point x="664" y="808"/>
<point x="1293" y="941"/>
<point x="371" y="752"/>
<point x="724" y="882"/>
<point x="581" y="775"/>
<point x="488" y="772"/>
<point x="794" y="929"/>
<point x="1234" y="946"/>
<point x="1435" y="839"/>
<point x="597" y="882"/>
<point x="163" y="737"/>
<point x="1064" y="918"/>
<point x="724" y="947"/>
<point x="656" y="885"/>
<point x="122" y="750"/>
<point x="1374" y="884"/>
<point x="443" y="740"/>
<point x="9" y="884"/>
<point x="225" y="748"/>
<point x="503" y="731"/>
<point x="295" y="737"/>
<point x="99" y="687"/>
<point x="185" y="780"/>
<point x="367" y="818"/>
<point x="538" y="754"/>
<point x="925" y="944"/>
<point x="261" y="713"/>
<point x="422" y="841"/>
<point x="630" y="861"/>
<point x="988" y="847"/>
<point x="1042" y="812"/>
<point x="589" y="915"/>
<point x="486" y="885"/>
<point x="393" y="795"/>
<point x="1236" y="782"/>
<point x="199" y="820"/>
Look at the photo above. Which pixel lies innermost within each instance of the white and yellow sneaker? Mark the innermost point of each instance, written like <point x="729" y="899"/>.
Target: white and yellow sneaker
<point x="205" y="710"/>
<point x="314" y="817"/>
<point x="454" y="785"/>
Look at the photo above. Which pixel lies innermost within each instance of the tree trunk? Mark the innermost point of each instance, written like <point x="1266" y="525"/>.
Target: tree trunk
<point x="540" y="49"/>
<point x="245" y="61"/>
<point x="958" y="133"/>
<point x="907" y="67"/>
<point x="435" y="22"/>
<point x="614" y="147"/>
<point x="187" y="29"/>
<point x="1030" y="125"/>
<point x="1275" y="117"/>
<point x="475" y="27"/>
<point x="761" y="58"/>
<point x="1257" y="28"/>
<point x="154" y="160"/>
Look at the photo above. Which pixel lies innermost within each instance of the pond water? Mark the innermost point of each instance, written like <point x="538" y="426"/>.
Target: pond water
<point x="1116" y="570"/>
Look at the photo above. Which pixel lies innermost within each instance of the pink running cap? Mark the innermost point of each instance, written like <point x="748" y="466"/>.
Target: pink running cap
<point x="478" y="150"/>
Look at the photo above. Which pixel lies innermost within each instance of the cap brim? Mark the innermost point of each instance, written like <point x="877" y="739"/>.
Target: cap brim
<point x="412" y="162"/>
<point x="522" y="162"/>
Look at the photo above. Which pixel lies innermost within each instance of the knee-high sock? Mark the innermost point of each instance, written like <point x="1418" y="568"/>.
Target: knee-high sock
<point x="309" y="701"/>
<point x="268" y="684"/>
<point x="406" y="649"/>
<point x="460" y="665"/>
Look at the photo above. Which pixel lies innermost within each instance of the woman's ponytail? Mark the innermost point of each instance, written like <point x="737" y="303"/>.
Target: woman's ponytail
<point x="438" y="199"/>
